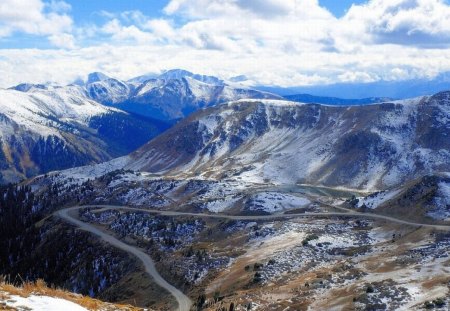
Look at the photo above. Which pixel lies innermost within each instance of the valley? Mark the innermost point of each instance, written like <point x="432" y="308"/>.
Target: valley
<point x="249" y="204"/>
<point x="288" y="254"/>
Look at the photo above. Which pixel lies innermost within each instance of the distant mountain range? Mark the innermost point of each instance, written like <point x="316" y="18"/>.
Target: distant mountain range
<point x="50" y="127"/>
<point x="384" y="89"/>
<point x="45" y="127"/>
<point x="172" y="95"/>
<point x="311" y="99"/>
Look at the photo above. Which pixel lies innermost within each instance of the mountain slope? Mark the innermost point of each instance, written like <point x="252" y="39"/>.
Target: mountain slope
<point x="176" y="98"/>
<point x="392" y="89"/>
<point x="52" y="128"/>
<point x="172" y="95"/>
<point x="422" y="199"/>
<point x="367" y="147"/>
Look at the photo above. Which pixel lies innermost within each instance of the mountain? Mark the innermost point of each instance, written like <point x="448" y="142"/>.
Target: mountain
<point x="311" y="99"/>
<point x="108" y="91"/>
<point x="169" y="99"/>
<point x="366" y="147"/>
<point x="170" y="96"/>
<point x="418" y="199"/>
<point x="142" y="78"/>
<point x="96" y="77"/>
<point x="180" y="74"/>
<point x="390" y="89"/>
<point x="45" y="128"/>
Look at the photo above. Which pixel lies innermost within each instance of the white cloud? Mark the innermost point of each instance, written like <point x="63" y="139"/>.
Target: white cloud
<point x="268" y="8"/>
<point x="124" y="34"/>
<point x="59" y="6"/>
<point x="404" y="22"/>
<point x="273" y="42"/>
<point x="35" y="17"/>
<point x="161" y="28"/>
<point x="62" y="40"/>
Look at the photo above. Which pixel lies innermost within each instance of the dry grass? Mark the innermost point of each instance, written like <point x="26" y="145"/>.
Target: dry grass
<point x="40" y="288"/>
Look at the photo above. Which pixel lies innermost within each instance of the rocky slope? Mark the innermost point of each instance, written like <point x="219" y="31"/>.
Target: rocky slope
<point x="45" y="128"/>
<point x="419" y="199"/>
<point x="366" y="147"/>
<point x="172" y="95"/>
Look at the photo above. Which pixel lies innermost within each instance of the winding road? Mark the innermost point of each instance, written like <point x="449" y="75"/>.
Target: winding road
<point x="184" y="302"/>
<point x="344" y="213"/>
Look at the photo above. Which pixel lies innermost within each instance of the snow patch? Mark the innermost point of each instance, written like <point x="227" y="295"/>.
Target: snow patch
<point x="41" y="303"/>
<point x="373" y="201"/>
<point x="272" y="202"/>
<point x="442" y="202"/>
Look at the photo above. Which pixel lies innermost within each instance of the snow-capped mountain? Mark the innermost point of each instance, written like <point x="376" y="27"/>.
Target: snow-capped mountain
<point x="180" y="74"/>
<point x="416" y="199"/>
<point x="44" y="128"/>
<point x="172" y="95"/>
<point x="108" y="91"/>
<point x="367" y="147"/>
<point x="169" y="99"/>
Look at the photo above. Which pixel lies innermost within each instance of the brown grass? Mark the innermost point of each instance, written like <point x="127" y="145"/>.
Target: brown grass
<point x="40" y="288"/>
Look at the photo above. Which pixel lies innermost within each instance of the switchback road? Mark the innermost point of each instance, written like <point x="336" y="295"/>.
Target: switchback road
<point x="184" y="303"/>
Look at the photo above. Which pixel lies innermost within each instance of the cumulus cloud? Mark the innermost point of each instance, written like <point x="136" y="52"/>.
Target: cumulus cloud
<point x="125" y="34"/>
<point x="37" y="18"/>
<point x="404" y="22"/>
<point x="273" y="42"/>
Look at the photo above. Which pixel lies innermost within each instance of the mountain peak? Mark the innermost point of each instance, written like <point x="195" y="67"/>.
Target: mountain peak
<point x="181" y="73"/>
<point x="96" y="77"/>
<point x="175" y="74"/>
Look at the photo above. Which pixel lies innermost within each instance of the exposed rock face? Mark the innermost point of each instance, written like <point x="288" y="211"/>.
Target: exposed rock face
<point x="367" y="147"/>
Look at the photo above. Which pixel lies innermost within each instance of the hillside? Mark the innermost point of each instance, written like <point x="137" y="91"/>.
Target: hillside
<point x="427" y="197"/>
<point x="52" y="128"/>
<point x="38" y="296"/>
<point x="366" y="147"/>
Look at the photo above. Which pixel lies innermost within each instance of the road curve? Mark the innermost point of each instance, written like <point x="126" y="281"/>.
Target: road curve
<point x="346" y="213"/>
<point x="184" y="303"/>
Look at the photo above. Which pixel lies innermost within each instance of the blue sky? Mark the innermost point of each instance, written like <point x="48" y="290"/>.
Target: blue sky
<point x="86" y="12"/>
<point x="339" y="7"/>
<point x="272" y="42"/>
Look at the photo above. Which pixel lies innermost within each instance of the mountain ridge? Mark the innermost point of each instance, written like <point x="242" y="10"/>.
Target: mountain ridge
<point x="364" y="147"/>
<point x="50" y="128"/>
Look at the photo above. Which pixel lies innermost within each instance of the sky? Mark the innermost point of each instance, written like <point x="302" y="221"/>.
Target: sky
<point x="270" y="42"/>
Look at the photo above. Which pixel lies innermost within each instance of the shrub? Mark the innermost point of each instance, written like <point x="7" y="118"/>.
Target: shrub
<point x="370" y="289"/>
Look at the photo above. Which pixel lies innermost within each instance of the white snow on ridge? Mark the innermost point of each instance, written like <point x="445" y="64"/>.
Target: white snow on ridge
<point x="442" y="202"/>
<point x="272" y="202"/>
<point x="220" y="205"/>
<point x="149" y="85"/>
<point x="83" y="173"/>
<point x="35" y="111"/>
<point x="200" y="90"/>
<point x="268" y="102"/>
<point x="375" y="200"/>
<point x="41" y="303"/>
